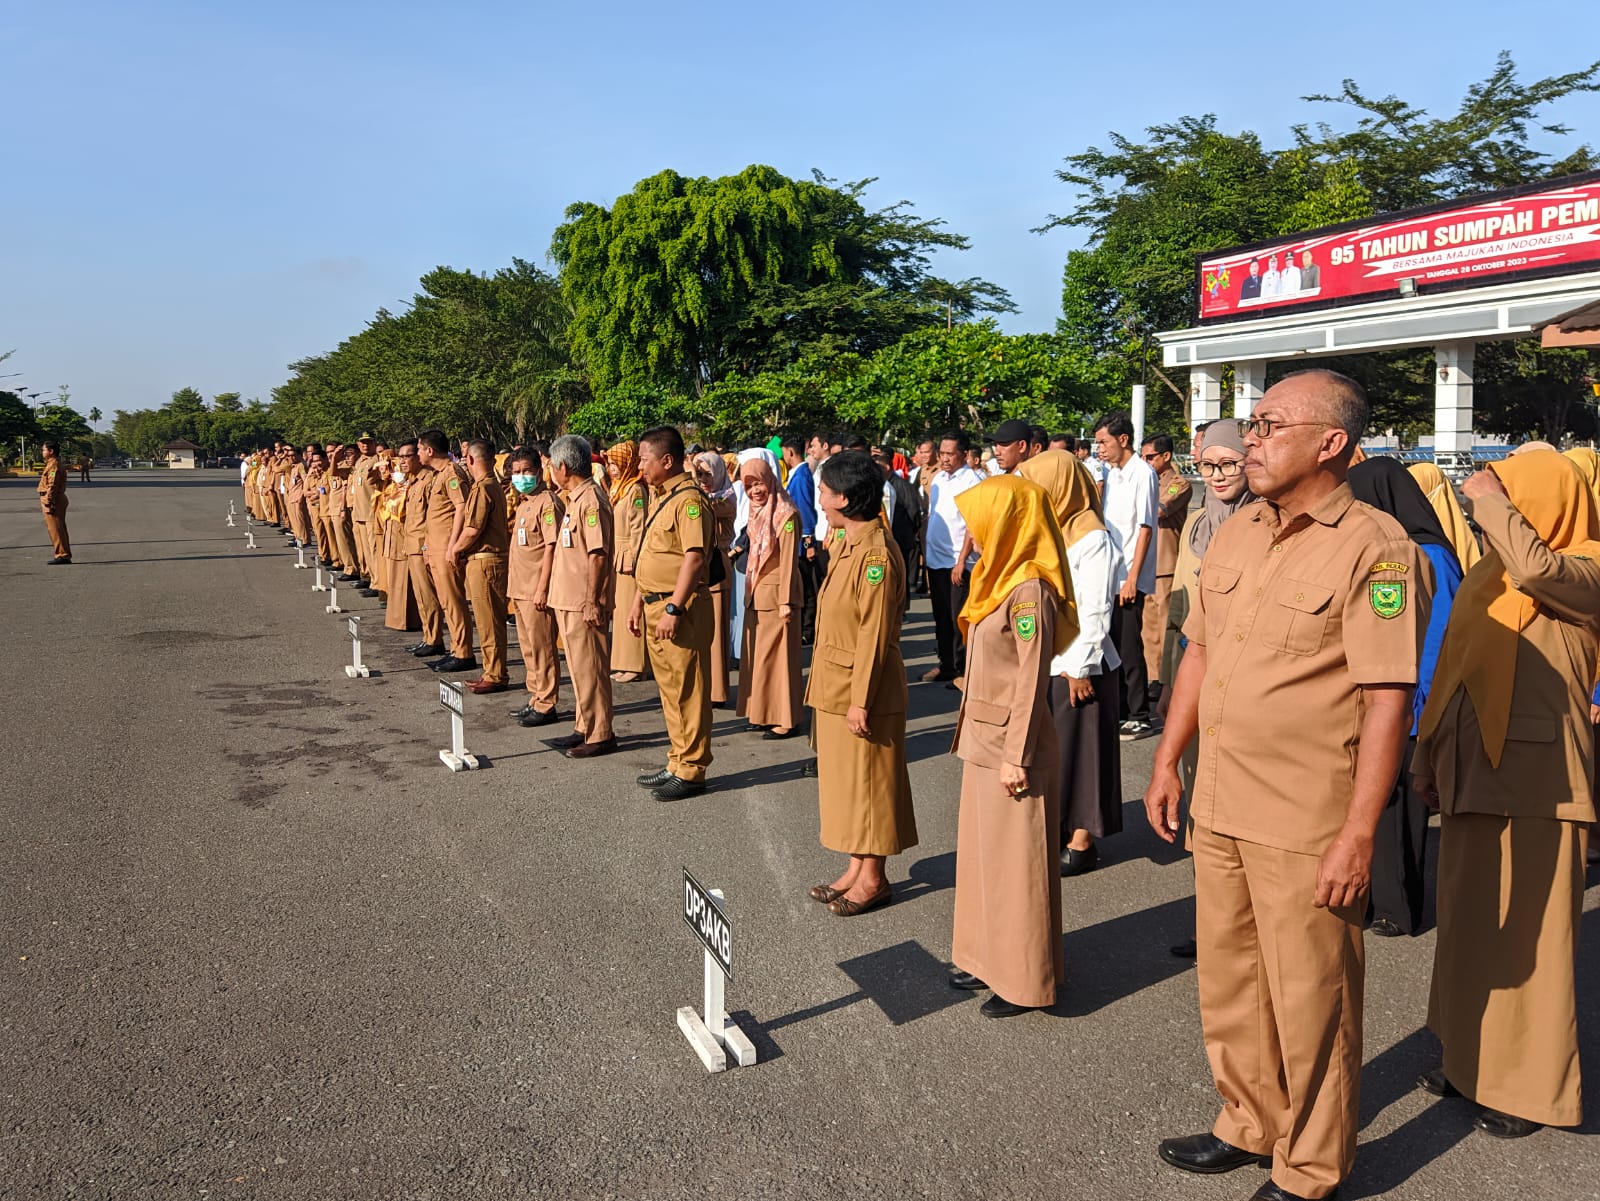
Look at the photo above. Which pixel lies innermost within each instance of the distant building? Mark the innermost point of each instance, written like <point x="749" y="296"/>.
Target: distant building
<point x="182" y="453"/>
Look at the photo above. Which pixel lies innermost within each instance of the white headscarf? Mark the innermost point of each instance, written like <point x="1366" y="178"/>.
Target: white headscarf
<point x="741" y="516"/>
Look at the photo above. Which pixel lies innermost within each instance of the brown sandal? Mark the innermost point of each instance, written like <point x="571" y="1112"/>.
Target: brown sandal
<point x="844" y="907"/>
<point x="826" y="893"/>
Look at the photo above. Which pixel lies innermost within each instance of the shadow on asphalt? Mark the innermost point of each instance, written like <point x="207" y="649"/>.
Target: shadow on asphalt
<point x="1114" y="959"/>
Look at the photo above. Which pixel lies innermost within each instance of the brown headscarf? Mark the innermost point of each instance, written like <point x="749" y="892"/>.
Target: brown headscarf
<point x="1074" y="499"/>
<point x="765" y="520"/>
<point x="1216" y="510"/>
<point x="626" y="457"/>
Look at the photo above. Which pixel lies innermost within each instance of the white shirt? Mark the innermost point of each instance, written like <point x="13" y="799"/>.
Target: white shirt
<point x="947" y="530"/>
<point x="821" y="532"/>
<point x="1092" y="562"/>
<point x="1270" y="282"/>
<point x="1290" y="283"/>
<point x="1131" y="501"/>
<point x="1096" y="466"/>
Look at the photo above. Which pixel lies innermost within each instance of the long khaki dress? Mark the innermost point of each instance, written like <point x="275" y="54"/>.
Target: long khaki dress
<point x="1512" y="842"/>
<point x="628" y="513"/>
<point x="400" y="608"/>
<point x="1008" y="877"/>
<point x="769" y="664"/>
<point x="863" y="787"/>
<point x="724" y="511"/>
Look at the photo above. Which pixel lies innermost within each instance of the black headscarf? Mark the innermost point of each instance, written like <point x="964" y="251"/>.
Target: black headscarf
<point x="1385" y="484"/>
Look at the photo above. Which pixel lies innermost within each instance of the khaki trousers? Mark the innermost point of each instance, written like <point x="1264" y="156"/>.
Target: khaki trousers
<point x="589" y="667"/>
<point x="427" y="603"/>
<point x="536" y="635"/>
<point x="1280" y="1004"/>
<point x="1156" y="608"/>
<point x="486" y="589"/>
<point x="344" y="543"/>
<point x="361" y="544"/>
<point x="55" y="525"/>
<point x="448" y="586"/>
<point x="682" y="669"/>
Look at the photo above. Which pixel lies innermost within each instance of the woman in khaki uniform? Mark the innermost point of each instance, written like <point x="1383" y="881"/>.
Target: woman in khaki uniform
<point x="1019" y="614"/>
<point x="400" y="606"/>
<point x="858" y="691"/>
<point x="769" y="664"/>
<point x="711" y="473"/>
<point x="1448" y="510"/>
<point x="1505" y="752"/>
<point x="630" y="499"/>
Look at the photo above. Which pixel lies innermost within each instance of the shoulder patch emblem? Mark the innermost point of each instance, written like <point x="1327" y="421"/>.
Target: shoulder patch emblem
<point x="1378" y="568"/>
<point x="454" y="483"/>
<point x="638" y="502"/>
<point x="1175" y="489"/>
<point x="549" y="517"/>
<point x="1388" y="597"/>
<point x="592" y="519"/>
<point x="694" y="510"/>
<point x="875" y="574"/>
<point x="1027" y="626"/>
<point x="788" y="526"/>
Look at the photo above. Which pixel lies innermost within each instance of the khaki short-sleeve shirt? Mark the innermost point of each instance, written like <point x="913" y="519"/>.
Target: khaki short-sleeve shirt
<point x="533" y="529"/>
<point x="448" y="492"/>
<point x="584" y="529"/>
<point x="1296" y="619"/>
<point x="679" y="521"/>
<point x="486" y="513"/>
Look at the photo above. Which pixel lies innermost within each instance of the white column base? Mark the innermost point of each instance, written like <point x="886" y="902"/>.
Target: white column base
<point x="702" y="1040"/>
<point x="465" y="761"/>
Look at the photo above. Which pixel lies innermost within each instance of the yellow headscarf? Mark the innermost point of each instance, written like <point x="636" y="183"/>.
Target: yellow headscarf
<point x="1489" y="613"/>
<point x="1018" y="540"/>
<point x="1074" y="499"/>
<point x="1448" y="509"/>
<point x="1588" y="464"/>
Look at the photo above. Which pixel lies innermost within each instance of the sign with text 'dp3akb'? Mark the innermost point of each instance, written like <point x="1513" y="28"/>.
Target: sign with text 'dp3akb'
<point x="710" y="924"/>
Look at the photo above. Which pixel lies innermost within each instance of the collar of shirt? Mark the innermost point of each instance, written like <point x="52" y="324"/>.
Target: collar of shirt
<point x="1328" y="511"/>
<point x="672" y="482"/>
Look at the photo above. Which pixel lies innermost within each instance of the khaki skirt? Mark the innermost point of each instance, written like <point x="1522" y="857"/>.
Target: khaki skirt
<point x="863" y="787"/>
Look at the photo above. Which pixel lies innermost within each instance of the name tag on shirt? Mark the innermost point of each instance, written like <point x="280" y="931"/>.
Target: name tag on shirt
<point x="522" y="536"/>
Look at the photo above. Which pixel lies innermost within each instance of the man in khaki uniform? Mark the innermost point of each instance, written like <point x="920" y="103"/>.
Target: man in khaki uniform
<point x="53" y="500"/>
<point x="533" y="551"/>
<point x="673" y="611"/>
<point x="447" y="508"/>
<point x="1172" y="497"/>
<point x="582" y="594"/>
<point x="418" y="483"/>
<point x="482" y="545"/>
<point x="363" y="528"/>
<point x="1304" y="640"/>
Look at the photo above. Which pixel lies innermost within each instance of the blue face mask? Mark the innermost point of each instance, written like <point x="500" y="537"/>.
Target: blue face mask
<point x="524" y="483"/>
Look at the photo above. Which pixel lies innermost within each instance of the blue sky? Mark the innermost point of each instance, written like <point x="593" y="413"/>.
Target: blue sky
<point x="198" y="194"/>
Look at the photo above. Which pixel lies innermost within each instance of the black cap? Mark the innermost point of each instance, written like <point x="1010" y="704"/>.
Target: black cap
<point x="1011" y="431"/>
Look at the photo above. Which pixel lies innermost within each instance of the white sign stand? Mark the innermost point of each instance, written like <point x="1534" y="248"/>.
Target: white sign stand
<point x="357" y="669"/>
<point x="452" y="697"/>
<point x="317" y="584"/>
<point x="300" y="563"/>
<point x="232" y="512"/>
<point x="333" y="596"/>
<point x="249" y="540"/>
<point x="715" y="1036"/>
<point x="230" y="520"/>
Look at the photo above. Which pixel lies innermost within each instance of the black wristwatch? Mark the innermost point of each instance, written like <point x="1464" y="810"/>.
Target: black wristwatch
<point x="673" y="610"/>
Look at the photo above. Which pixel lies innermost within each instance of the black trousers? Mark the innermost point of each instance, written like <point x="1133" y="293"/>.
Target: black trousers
<point x="948" y="601"/>
<point x="1127" y="631"/>
<point x="808" y="599"/>
<point x="1399" y="853"/>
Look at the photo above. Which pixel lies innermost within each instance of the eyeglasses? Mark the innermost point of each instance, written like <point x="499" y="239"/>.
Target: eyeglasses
<point x="1227" y="469"/>
<point x="1152" y="456"/>
<point x="1262" y="427"/>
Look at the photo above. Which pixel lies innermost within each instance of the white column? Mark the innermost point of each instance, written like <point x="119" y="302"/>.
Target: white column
<point x="1452" y="406"/>
<point x="1205" y="395"/>
<point x="1138" y="410"/>
<point x="1249" y="380"/>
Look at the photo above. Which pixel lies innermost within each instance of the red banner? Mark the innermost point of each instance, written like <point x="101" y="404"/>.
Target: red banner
<point x="1481" y="240"/>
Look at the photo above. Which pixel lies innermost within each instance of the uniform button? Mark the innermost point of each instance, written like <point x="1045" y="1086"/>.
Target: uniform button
<point x="1238" y="637"/>
<point x="1222" y="683"/>
<point x="1299" y="596"/>
<point x="1258" y="592"/>
<point x="1211" y="731"/>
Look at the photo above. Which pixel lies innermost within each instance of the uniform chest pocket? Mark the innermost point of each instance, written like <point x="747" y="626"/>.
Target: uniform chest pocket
<point x="1297" y="617"/>
<point x="1217" y="586"/>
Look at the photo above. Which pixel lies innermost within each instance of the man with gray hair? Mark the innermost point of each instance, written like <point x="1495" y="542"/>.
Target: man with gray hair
<point x="582" y="595"/>
<point x="1304" y="639"/>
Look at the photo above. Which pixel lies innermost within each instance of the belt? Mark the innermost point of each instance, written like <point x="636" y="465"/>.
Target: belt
<point x="651" y="598"/>
<point x="486" y="554"/>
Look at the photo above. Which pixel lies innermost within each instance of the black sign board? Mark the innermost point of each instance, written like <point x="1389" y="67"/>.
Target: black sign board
<point x="705" y="917"/>
<point x="453" y="698"/>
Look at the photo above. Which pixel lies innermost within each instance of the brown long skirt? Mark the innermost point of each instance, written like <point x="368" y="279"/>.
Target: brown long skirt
<point x="720" y="652"/>
<point x="770" y="689"/>
<point x="1008" y="885"/>
<point x="400" y="611"/>
<point x="1504" y="998"/>
<point x="863" y="787"/>
<point x="627" y="650"/>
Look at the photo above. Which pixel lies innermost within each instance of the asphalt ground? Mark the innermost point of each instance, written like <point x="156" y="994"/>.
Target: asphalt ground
<point x="259" y="943"/>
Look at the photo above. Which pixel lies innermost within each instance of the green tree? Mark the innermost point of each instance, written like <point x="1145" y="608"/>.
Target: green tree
<point x="16" y="421"/>
<point x="226" y="402"/>
<point x="683" y="281"/>
<point x="65" y="426"/>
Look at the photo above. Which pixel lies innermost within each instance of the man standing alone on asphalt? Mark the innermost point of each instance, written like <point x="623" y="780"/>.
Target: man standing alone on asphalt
<point x="53" y="500"/>
<point x="948" y="551"/>
<point x="1173" y="493"/>
<point x="1131" y="513"/>
<point x="1304" y="638"/>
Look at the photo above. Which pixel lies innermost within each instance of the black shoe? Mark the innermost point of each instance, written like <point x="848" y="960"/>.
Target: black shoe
<point x="750" y="727"/>
<point x="1504" y="1125"/>
<point x="369" y="593"/>
<point x="1276" y="1192"/>
<point x="1135" y="729"/>
<point x="1077" y="863"/>
<point x="1208" y="1155"/>
<point x="1384" y="928"/>
<point x="774" y="736"/>
<point x="1436" y="1082"/>
<point x="998" y="1007"/>
<point x="60" y="561"/>
<point x="426" y="650"/>
<point x="567" y="741"/>
<point x="451" y="664"/>
<point x="1184" y="950"/>
<point x="675" y="789"/>
<point x="967" y="982"/>
<point x="588" y="750"/>
<point x="347" y="578"/>
<point x="533" y="718"/>
<point x="654" y="779"/>
<point x="522" y="712"/>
